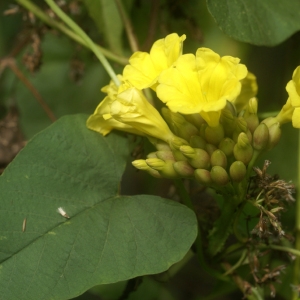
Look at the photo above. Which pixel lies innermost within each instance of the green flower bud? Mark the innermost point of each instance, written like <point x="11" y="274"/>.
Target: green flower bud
<point x="152" y="155"/>
<point x="202" y="130"/>
<point x="250" y="115"/>
<point x="198" y="158"/>
<point x="260" y="137"/>
<point x="243" y="150"/>
<point x="227" y="145"/>
<point x="274" y="135"/>
<point x="214" y="135"/>
<point x="142" y="165"/>
<point x="165" y="155"/>
<point x="228" y="120"/>
<point x="203" y="176"/>
<point x="165" y="168"/>
<point x="197" y="141"/>
<point x="219" y="175"/>
<point x="160" y="145"/>
<point x="218" y="158"/>
<point x="175" y="144"/>
<point x="179" y="125"/>
<point x="241" y="126"/>
<point x="237" y="171"/>
<point x="195" y="119"/>
<point x="210" y="148"/>
<point x="184" y="169"/>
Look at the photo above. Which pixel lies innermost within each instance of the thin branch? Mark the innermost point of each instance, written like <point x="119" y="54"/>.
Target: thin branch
<point x="152" y="25"/>
<point x="61" y="27"/>
<point x="128" y="27"/>
<point x="10" y="63"/>
<point x="76" y="29"/>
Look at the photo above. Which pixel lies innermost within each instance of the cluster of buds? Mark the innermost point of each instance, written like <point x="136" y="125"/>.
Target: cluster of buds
<point x="214" y="156"/>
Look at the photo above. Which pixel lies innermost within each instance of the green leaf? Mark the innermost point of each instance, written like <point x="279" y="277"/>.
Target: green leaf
<point x="257" y="22"/>
<point x="107" y="19"/>
<point x="108" y="237"/>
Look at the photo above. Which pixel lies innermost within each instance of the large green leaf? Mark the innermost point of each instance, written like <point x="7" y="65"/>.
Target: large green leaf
<point x="108" y="237"/>
<point x="258" y="22"/>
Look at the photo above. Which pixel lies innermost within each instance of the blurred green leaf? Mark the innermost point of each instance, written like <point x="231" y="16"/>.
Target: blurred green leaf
<point x="256" y="22"/>
<point x="107" y="19"/>
<point x="108" y="237"/>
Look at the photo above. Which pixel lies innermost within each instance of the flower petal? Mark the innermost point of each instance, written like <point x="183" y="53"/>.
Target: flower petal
<point x="296" y="118"/>
<point x="144" y="68"/>
<point x="293" y="88"/>
<point x="132" y="108"/>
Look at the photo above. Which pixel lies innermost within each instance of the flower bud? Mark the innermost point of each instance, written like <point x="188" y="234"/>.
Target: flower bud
<point x="260" y="137"/>
<point x="250" y="115"/>
<point x="227" y="145"/>
<point x="203" y="176"/>
<point x="210" y="148"/>
<point x="241" y="126"/>
<point x="165" y="155"/>
<point x="237" y="171"/>
<point x="228" y="120"/>
<point x="243" y="150"/>
<point x="219" y="175"/>
<point x="214" y="135"/>
<point x="165" y="168"/>
<point x="274" y="135"/>
<point x="197" y="141"/>
<point x="184" y="169"/>
<point x="142" y="165"/>
<point x="195" y="119"/>
<point x="198" y="158"/>
<point x="179" y="125"/>
<point x="202" y="130"/>
<point x="160" y="145"/>
<point x="218" y="158"/>
<point x="175" y="144"/>
<point x="152" y="155"/>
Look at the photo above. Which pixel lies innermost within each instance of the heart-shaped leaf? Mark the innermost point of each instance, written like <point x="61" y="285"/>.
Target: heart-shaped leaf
<point x="107" y="238"/>
<point x="256" y="22"/>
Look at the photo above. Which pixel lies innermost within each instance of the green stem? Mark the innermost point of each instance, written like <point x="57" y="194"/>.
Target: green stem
<point x="239" y="262"/>
<point x="187" y="201"/>
<point x="296" y="274"/>
<point x="87" y="40"/>
<point x="285" y="249"/>
<point x="61" y="27"/>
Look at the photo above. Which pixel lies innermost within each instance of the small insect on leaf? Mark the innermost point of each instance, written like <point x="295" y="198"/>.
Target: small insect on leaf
<point x="24" y="225"/>
<point x="61" y="211"/>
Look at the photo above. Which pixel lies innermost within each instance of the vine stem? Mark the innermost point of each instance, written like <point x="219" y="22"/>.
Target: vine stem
<point x="87" y="40"/>
<point x="188" y="202"/>
<point x="297" y="225"/>
<point x="61" y="27"/>
<point x="128" y="26"/>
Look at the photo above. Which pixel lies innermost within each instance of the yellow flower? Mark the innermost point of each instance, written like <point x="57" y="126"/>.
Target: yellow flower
<point x="102" y="121"/>
<point x="248" y="91"/>
<point x="293" y="89"/>
<point x="132" y="108"/>
<point x="144" y="68"/>
<point x="201" y="84"/>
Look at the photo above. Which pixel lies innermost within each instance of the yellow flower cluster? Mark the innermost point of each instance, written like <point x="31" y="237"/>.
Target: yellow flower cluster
<point x="189" y="84"/>
<point x="210" y="118"/>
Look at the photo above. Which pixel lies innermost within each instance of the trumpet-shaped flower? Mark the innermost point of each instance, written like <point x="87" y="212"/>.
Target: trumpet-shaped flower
<point x="132" y="108"/>
<point x="293" y="89"/>
<point x="201" y="84"/>
<point x="144" y="68"/>
<point x="103" y="122"/>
